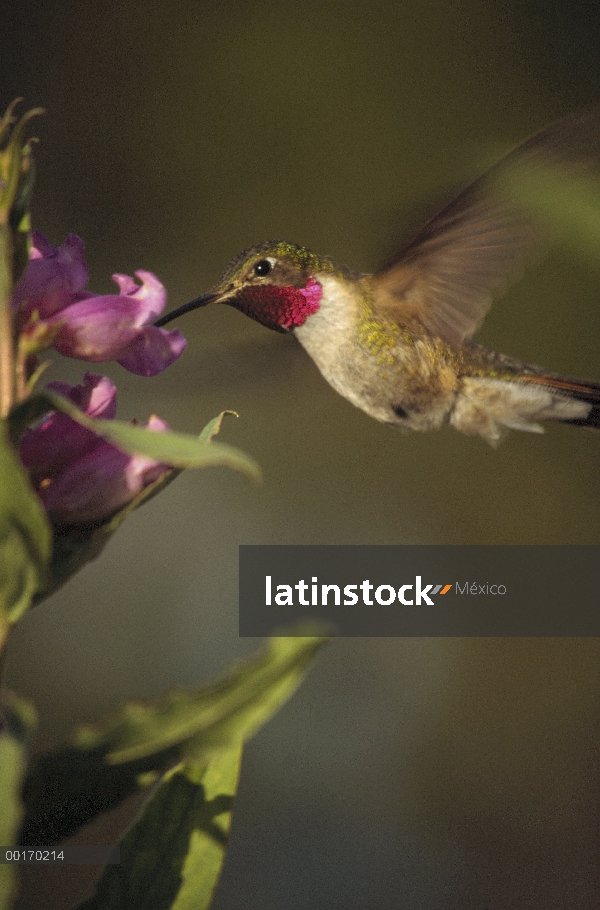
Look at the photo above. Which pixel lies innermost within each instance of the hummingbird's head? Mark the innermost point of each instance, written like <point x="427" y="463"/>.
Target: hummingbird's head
<point x="272" y="282"/>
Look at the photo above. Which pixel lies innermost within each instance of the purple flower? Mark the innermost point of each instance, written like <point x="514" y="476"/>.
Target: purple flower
<point x="81" y="478"/>
<point x="95" y="327"/>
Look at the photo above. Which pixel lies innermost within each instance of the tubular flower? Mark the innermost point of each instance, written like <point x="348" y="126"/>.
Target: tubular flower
<point x="95" y="327"/>
<point x="80" y="478"/>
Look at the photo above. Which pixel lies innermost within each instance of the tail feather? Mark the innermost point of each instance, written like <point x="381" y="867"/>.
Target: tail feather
<point x="578" y="389"/>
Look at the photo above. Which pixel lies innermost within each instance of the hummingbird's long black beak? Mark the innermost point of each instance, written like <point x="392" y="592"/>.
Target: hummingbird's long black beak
<point x="192" y="305"/>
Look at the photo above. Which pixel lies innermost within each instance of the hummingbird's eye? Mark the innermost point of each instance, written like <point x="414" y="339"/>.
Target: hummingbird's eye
<point x="263" y="267"/>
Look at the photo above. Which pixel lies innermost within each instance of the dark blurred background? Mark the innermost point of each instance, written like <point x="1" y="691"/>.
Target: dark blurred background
<point x="414" y="774"/>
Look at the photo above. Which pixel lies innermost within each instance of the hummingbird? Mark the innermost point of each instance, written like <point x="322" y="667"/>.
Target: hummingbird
<point x="398" y="343"/>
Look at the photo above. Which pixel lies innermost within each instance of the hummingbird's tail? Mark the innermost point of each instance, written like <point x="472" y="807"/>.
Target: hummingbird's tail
<point x="578" y="390"/>
<point x="487" y="406"/>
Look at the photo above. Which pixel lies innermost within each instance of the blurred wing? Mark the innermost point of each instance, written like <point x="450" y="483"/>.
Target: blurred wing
<point x="446" y="276"/>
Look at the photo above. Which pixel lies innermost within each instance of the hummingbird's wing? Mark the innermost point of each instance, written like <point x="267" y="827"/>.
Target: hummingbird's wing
<point x="446" y="276"/>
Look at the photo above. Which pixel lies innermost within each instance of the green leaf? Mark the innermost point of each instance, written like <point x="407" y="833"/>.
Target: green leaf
<point x="230" y="710"/>
<point x="17" y="718"/>
<point x="16" y="183"/>
<point x="24" y="538"/>
<point x="213" y="427"/>
<point x="108" y="761"/>
<point x="66" y="789"/>
<point x="178" y="449"/>
<point x="15" y="164"/>
<point x="172" y="856"/>
<point x="25" y="541"/>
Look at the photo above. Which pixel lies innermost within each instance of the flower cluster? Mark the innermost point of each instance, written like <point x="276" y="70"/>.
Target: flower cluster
<point x="94" y="327"/>
<point x="80" y="477"/>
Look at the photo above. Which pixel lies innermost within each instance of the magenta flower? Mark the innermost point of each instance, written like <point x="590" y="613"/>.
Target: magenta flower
<point x="80" y="478"/>
<point x="95" y="327"/>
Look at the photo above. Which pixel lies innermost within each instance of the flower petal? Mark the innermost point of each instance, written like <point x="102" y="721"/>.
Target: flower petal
<point x="58" y="441"/>
<point x="110" y="327"/>
<point x="97" y="328"/>
<point x="97" y="485"/>
<point x="89" y="489"/>
<point x="150" y="296"/>
<point x="80" y="477"/>
<point x="52" y="277"/>
<point x="153" y="351"/>
<point x="97" y="397"/>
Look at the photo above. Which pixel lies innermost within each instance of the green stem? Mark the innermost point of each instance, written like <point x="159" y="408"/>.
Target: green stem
<point x="7" y="351"/>
<point x="3" y="642"/>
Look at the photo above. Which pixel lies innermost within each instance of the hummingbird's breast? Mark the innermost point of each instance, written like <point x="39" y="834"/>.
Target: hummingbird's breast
<point x="394" y="373"/>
